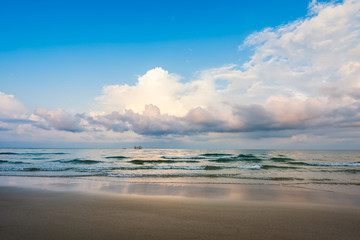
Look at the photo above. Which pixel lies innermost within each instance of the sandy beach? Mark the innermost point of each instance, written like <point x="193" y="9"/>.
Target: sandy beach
<point x="36" y="213"/>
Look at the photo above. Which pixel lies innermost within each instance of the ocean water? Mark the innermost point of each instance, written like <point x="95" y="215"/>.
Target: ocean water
<point x="186" y="166"/>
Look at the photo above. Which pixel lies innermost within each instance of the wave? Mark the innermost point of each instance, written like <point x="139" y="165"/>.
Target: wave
<point x="227" y="167"/>
<point x="298" y="163"/>
<point x="333" y="182"/>
<point x="201" y="156"/>
<point x="116" y="157"/>
<point x="249" y="157"/>
<point x="250" y="167"/>
<point x="283" y="179"/>
<point x="353" y="171"/>
<point x="353" y="164"/>
<point x="185" y="157"/>
<point x="39" y="154"/>
<point x="170" y="167"/>
<point x="141" y="162"/>
<point x="277" y="167"/>
<point x="219" y="157"/>
<point x="212" y="168"/>
<point x="207" y="167"/>
<point x="10" y="162"/>
<point x="177" y="167"/>
<point x="165" y="167"/>
<point x="190" y="175"/>
<point x="225" y="160"/>
<point x="32" y="169"/>
<point x="79" y="161"/>
<point x="216" y="155"/>
<point x="321" y="179"/>
<point x="176" y="175"/>
<point x="236" y="159"/>
<point x="35" y="169"/>
<point x="281" y="159"/>
<point x="141" y="166"/>
<point x="34" y="154"/>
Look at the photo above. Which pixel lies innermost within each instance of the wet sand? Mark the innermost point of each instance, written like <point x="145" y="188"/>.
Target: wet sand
<point x="31" y="213"/>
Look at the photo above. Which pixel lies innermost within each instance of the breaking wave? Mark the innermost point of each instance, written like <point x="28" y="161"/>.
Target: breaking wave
<point x="355" y="164"/>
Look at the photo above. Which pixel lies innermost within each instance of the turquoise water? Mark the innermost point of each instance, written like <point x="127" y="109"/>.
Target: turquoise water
<point x="187" y="166"/>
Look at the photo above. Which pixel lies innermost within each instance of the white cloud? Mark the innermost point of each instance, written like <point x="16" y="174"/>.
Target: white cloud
<point x="303" y="74"/>
<point x="309" y="53"/>
<point x="156" y="87"/>
<point x="12" y="114"/>
<point x="10" y="107"/>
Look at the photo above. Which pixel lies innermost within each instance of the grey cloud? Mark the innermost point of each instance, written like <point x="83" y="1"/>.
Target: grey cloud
<point x="153" y="125"/>
<point x="16" y="120"/>
<point x="355" y="93"/>
<point x="248" y="119"/>
<point x="203" y="120"/>
<point x="59" y="120"/>
<point x="348" y="116"/>
<point x="111" y="122"/>
<point x="336" y="92"/>
<point x="256" y="118"/>
<point x="12" y="122"/>
<point x="44" y="126"/>
<point x="152" y="122"/>
<point x="253" y="117"/>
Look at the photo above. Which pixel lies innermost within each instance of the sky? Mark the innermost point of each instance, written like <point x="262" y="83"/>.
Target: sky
<point x="180" y="74"/>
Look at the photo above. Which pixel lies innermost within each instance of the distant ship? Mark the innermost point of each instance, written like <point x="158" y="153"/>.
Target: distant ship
<point x="138" y="147"/>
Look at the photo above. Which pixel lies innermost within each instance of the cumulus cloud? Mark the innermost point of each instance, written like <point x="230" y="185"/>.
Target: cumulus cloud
<point x="157" y="87"/>
<point x="305" y="74"/>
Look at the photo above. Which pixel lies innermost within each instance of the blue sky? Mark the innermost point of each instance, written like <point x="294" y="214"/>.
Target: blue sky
<point x="77" y="47"/>
<point x="39" y="24"/>
<point x="67" y="66"/>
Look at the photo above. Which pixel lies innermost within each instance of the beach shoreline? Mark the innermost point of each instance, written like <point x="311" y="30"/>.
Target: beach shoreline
<point x="37" y="212"/>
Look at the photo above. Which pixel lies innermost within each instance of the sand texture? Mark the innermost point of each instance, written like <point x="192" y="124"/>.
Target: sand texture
<point x="41" y="214"/>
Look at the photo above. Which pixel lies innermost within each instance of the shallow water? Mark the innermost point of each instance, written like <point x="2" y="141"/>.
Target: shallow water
<point x="187" y="166"/>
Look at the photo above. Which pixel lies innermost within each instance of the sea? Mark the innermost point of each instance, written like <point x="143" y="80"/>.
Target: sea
<point x="267" y="167"/>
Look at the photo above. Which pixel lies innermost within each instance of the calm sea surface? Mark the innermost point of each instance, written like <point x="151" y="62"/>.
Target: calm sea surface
<point x="187" y="166"/>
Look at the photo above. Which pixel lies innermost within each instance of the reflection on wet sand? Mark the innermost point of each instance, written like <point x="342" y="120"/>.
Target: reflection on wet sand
<point x="234" y="192"/>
